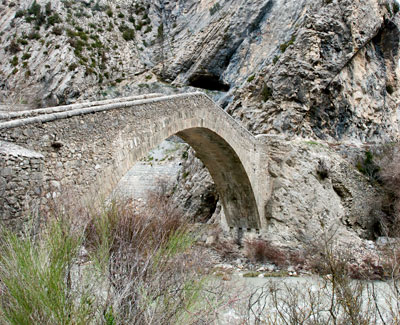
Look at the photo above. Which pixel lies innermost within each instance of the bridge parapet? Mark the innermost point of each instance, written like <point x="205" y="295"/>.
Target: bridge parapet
<point x="19" y="115"/>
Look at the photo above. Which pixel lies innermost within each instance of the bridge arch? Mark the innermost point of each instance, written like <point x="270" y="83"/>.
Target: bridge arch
<point x="230" y="177"/>
<point x="106" y="139"/>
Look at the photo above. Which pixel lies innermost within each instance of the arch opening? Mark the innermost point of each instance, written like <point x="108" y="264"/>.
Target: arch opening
<point x="230" y="178"/>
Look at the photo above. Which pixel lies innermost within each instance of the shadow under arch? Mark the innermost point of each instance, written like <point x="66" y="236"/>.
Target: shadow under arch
<point x="230" y="177"/>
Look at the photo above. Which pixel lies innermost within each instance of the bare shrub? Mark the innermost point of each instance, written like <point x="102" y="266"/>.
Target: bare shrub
<point x="390" y="174"/>
<point x="154" y="276"/>
<point x="227" y="248"/>
<point x="261" y="251"/>
<point x="120" y="266"/>
<point x="390" y="261"/>
<point x="334" y="298"/>
<point x="298" y="259"/>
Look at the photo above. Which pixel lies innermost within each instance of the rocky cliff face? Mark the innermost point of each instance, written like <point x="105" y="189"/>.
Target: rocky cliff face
<point x="325" y="69"/>
<point x="320" y="69"/>
<point x="336" y="77"/>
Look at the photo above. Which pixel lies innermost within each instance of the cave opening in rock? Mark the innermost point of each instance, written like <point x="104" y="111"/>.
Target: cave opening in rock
<point x="209" y="82"/>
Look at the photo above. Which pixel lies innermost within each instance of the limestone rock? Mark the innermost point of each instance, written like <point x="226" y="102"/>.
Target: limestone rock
<point x="304" y="204"/>
<point x="335" y="78"/>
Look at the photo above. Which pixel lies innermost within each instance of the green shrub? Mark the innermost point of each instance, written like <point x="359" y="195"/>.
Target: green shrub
<point x="389" y="89"/>
<point x="276" y="59"/>
<point x="54" y="19"/>
<point x="34" y="275"/>
<point x="216" y="7"/>
<point x="70" y="33"/>
<point x="22" y="41"/>
<point x="266" y="93"/>
<point x="26" y="56"/>
<point x="284" y="46"/>
<point x="13" y="47"/>
<point x="396" y="7"/>
<point x="109" y="12"/>
<point x="369" y="168"/>
<point x="48" y="9"/>
<point x="20" y="13"/>
<point x="72" y="66"/>
<point x="97" y="44"/>
<point x="77" y="44"/>
<point x="14" y="61"/>
<point x="139" y="25"/>
<point x="129" y="34"/>
<point x="82" y="35"/>
<point x="387" y="5"/>
<point x="34" y="14"/>
<point x="251" y="78"/>
<point x="34" y="35"/>
<point x="35" y="9"/>
<point x="57" y="30"/>
<point x="160" y="32"/>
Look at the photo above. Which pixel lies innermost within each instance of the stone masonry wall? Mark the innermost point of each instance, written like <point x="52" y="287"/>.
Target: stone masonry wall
<point x="21" y="180"/>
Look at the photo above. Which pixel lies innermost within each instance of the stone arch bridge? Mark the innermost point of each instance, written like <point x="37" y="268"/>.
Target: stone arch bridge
<point x="88" y="147"/>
